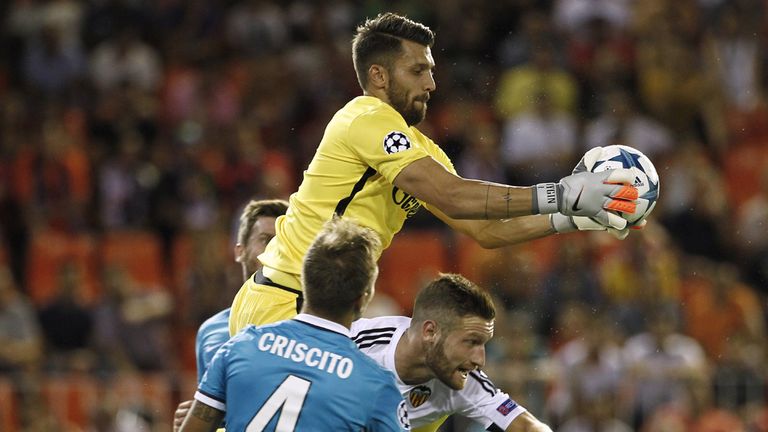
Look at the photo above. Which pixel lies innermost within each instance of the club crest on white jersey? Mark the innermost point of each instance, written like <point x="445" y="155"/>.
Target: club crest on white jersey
<point x="418" y="395"/>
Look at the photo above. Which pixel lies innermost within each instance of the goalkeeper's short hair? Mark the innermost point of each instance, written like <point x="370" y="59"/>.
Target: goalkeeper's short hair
<point x="378" y="40"/>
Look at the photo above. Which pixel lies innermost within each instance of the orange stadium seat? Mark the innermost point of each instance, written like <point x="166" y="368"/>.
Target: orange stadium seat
<point x="72" y="398"/>
<point x="744" y="165"/>
<point x="545" y="250"/>
<point x="49" y="250"/>
<point x="413" y="258"/>
<point x="472" y="259"/>
<point x="9" y="420"/>
<point x="137" y="252"/>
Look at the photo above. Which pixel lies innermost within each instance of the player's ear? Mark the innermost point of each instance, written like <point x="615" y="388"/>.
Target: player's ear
<point x="429" y="330"/>
<point x="238" y="251"/>
<point x="378" y="76"/>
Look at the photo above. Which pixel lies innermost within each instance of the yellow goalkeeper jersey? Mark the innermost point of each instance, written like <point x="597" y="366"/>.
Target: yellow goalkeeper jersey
<point x="364" y="147"/>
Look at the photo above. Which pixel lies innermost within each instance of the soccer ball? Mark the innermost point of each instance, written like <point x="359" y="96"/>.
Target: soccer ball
<point x="646" y="177"/>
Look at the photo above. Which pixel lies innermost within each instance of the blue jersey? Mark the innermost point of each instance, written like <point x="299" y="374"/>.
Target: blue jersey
<point x="302" y="374"/>
<point x="210" y="337"/>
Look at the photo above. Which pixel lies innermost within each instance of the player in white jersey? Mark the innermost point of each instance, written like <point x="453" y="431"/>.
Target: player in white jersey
<point x="437" y="358"/>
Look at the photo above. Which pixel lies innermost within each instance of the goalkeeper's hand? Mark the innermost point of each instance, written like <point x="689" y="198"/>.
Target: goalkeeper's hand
<point x="595" y="195"/>
<point x="565" y="224"/>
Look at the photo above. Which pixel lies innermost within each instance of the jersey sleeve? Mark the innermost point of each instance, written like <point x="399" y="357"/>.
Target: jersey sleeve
<point x="200" y="358"/>
<point x="211" y="335"/>
<point x="390" y="413"/>
<point x="485" y="404"/>
<point x="439" y="155"/>
<point x="384" y="142"/>
<point x="213" y="387"/>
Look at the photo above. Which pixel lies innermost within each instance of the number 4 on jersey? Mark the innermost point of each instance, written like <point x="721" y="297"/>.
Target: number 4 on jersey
<point x="290" y="397"/>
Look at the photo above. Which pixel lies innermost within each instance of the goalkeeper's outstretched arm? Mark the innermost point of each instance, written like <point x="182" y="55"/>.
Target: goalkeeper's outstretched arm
<point x="581" y="194"/>
<point x="498" y="233"/>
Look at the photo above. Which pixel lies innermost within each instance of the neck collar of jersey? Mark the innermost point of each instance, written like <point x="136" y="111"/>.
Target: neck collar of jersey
<point x="377" y="101"/>
<point x="323" y="323"/>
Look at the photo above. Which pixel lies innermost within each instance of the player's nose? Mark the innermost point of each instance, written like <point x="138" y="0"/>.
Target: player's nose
<point x="430" y="85"/>
<point x="478" y="357"/>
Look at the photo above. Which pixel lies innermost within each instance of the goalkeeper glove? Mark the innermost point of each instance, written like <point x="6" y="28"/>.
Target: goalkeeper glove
<point x="565" y="224"/>
<point x="589" y="194"/>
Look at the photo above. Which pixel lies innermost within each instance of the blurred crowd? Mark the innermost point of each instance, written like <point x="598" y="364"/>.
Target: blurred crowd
<point x="164" y="117"/>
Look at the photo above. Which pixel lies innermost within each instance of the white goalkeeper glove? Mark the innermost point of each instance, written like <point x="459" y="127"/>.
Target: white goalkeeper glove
<point x="565" y="224"/>
<point x="589" y="194"/>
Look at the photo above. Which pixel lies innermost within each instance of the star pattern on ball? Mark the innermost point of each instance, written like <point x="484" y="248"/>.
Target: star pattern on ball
<point x="626" y="158"/>
<point x="629" y="160"/>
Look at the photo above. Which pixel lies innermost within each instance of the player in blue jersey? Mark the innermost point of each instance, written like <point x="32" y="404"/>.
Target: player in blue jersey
<point x="306" y="373"/>
<point x="255" y="229"/>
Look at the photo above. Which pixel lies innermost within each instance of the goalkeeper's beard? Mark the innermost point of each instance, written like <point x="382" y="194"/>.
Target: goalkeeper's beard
<point x="398" y="98"/>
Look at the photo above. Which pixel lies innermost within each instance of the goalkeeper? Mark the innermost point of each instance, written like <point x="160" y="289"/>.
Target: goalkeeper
<point x="375" y="166"/>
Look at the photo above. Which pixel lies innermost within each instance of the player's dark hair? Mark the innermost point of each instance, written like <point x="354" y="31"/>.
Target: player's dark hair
<point x="378" y="41"/>
<point x="253" y="211"/>
<point x="451" y="297"/>
<point x="340" y="266"/>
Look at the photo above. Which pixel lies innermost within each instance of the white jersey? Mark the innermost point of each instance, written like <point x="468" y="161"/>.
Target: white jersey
<point x="428" y="402"/>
